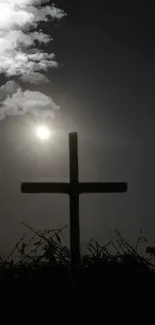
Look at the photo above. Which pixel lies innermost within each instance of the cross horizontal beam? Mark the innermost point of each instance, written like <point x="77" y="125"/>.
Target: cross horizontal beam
<point x="45" y="187"/>
<point x="102" y="187"/>
<point x="79" y="188"/>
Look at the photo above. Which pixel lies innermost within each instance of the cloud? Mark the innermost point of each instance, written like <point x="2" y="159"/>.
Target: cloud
<point x="34" y="78"/>
<point x="21" y="13"/>
<point x="23" y="102"/>
<point x="9" y="88"/>
<point x="18" y="63"/>
<point x="16" y="17"/>
<point x="20" y="57"/>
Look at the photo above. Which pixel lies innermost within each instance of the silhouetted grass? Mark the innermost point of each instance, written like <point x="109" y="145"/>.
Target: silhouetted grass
<point x="43" y="261"/>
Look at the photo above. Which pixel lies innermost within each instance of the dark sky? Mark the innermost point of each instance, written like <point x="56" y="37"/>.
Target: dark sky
<point x="105" y="88"/>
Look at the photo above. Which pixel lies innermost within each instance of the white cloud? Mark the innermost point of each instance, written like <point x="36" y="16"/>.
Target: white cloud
<point x="20" y="57"/>
<point x="21" y="13"/>
<point x="33" y="102"/>
<point x="13" y="39"/>
<point x="15" y="17"/>
<point x="19" y="63"/>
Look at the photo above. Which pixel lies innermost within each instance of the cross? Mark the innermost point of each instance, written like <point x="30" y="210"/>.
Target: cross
<point x="73" y="189"/>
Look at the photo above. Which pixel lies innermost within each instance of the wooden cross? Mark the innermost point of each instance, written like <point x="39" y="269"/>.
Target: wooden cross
<point x="74" y="189"/>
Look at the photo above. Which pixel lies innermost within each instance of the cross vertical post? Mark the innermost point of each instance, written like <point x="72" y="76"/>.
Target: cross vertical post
<point x="74" y="202"/>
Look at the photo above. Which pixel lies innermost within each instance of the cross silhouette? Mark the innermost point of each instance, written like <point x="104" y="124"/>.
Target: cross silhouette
<point x="73" y="189"/>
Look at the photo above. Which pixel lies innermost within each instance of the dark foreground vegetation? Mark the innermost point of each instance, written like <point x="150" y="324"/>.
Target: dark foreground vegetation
<point x="43" y="261"/>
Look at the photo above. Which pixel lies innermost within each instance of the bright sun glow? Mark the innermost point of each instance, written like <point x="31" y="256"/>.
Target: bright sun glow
<point x="43" y="132"/>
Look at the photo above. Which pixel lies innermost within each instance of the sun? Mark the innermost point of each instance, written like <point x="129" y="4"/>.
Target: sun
<point x="43" y="132"/>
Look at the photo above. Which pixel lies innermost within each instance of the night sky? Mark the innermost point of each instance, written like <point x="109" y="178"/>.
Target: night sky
<point x="105" y="89"/>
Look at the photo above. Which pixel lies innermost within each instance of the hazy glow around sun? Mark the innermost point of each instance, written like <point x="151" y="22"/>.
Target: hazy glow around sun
<point x="43" y="132"/>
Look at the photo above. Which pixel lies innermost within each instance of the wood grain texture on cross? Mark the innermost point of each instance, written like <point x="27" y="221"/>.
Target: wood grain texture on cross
<point x="73" y="188"/>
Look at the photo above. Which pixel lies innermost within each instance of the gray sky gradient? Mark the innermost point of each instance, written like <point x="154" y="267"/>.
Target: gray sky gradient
<point x="104" y="86"/>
